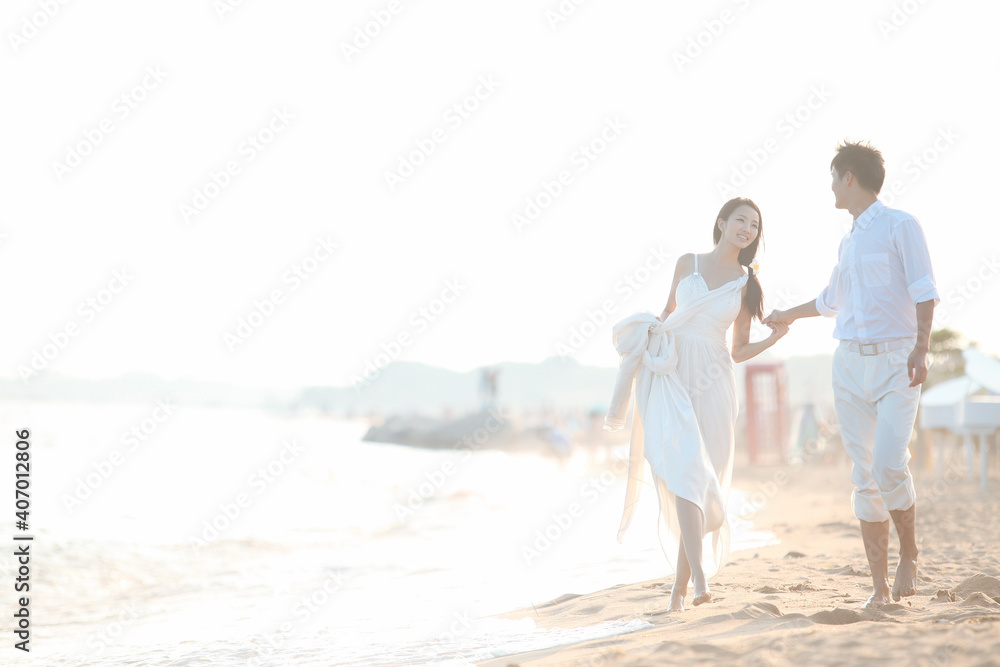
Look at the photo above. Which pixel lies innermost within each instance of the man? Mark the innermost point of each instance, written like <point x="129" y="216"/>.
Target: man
<point x="882" y="293"/>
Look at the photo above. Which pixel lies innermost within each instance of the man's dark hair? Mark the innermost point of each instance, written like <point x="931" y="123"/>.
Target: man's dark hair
<point x="864" y="161"/>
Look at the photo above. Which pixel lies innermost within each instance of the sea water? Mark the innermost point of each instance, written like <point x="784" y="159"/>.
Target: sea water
<point x="177" y="535"/>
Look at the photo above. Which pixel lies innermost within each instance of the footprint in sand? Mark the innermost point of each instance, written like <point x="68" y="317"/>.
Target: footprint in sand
<point x="894" y="609"/>
<point x="838" y="524"/>
<point x="768" y="589"/>
<point x="841" y="616"/>
<point x="756" y="610"/>
<point x="847" y="569"/>
<point x="836" y="617"/>
<point x="586" y="611"/>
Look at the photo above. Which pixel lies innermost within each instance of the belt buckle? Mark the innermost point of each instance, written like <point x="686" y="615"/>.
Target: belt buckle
<point x="861" y="349"/>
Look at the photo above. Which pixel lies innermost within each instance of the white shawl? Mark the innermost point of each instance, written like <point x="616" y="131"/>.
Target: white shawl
<point x="648" y="361"/>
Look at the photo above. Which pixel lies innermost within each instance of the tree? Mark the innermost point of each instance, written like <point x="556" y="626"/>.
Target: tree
<point x="945" y="356"/>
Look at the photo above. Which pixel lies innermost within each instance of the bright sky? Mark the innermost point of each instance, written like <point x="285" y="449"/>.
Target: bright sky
<point x="187" y="165"/>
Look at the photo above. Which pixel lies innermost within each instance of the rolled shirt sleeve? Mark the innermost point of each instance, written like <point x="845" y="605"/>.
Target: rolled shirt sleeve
<point x="912" y="248"/>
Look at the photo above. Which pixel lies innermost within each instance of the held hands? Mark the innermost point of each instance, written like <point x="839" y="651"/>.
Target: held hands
<point x="778" y="330"/>
<point x="778" y="316"/>
<point x="916" y="366"/>
<point x="779" y="322"/>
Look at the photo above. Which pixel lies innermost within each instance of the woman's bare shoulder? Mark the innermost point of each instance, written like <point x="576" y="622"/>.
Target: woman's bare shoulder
<point x="685" y="263"/>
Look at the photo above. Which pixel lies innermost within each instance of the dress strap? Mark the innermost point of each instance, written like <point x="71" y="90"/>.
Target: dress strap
<point x="696" y="264"/>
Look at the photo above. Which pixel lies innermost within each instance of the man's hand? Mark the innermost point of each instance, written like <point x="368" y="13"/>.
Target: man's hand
<point x="916" y="366"/>
<point x="777" y="316"/>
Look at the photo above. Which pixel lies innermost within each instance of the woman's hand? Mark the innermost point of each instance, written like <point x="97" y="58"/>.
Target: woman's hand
<point x="778" y="330"/>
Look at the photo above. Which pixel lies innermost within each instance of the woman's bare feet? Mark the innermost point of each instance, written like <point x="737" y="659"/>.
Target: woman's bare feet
<point x="905" y="582"/>
<point x="702" y="598"/>
<point x="677" y="599"/>
<point x="701" y="592"/>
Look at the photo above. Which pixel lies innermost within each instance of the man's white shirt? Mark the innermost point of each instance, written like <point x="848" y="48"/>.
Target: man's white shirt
<point x="883" y="271"/>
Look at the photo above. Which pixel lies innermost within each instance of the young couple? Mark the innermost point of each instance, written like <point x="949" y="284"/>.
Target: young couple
<point x="882" y="294"/>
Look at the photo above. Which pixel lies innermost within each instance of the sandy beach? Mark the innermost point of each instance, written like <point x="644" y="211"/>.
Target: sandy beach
<point x="800" y="602"/>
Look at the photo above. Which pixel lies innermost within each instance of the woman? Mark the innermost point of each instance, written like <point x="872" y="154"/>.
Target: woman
<point x="686" y="407"/>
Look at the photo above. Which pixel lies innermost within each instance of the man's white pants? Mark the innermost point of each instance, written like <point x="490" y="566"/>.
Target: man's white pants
<point x="876" y="408"/>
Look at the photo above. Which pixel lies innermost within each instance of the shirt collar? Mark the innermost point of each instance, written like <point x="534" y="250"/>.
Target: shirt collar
<point x="869" y="214"/>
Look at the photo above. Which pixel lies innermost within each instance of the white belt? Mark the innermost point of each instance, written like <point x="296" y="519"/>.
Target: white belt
<point x="871" y="349"/>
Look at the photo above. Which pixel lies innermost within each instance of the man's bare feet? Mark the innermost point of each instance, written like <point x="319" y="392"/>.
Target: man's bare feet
<point x="905" y="583"/>
<point x="880" y="597"/>
<point x="876" y="539"/>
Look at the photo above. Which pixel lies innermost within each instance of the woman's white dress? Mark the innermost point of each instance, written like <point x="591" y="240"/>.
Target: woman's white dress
<point x="685" y="410"/>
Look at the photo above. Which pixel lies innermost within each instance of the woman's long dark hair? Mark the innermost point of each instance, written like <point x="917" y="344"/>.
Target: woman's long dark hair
<point x="753" y="301"/>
